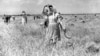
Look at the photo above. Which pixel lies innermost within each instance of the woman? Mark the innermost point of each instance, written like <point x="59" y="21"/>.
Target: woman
<point x="24" y="17"/>
<point x="52" y="23"/>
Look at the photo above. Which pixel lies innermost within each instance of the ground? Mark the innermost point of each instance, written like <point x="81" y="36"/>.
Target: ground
<point x="29" y="40"/>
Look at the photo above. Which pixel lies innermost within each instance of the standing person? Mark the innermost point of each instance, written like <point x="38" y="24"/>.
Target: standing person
<point x="12" y="18"/>
<point x="6" y="18"/>
<point x="52" y="24"/>
<point x="24" y="17"/>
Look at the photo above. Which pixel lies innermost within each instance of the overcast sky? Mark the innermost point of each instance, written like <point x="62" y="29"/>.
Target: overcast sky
<point x="36" y="6"/>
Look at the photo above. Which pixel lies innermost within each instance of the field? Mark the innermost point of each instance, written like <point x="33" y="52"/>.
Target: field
<point x="29" y="40"/>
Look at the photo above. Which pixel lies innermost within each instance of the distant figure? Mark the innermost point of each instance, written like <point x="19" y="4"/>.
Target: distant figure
<point x="34" y="17"/>
<point x="95" y="15"/>
<point x="12" y="18"/>
<point x="7" y="18"/>
<point x="52" y="23"/>
<point x="75" y="16"/>
<point x="24" y="17"/>
<point x="37" y="17"/>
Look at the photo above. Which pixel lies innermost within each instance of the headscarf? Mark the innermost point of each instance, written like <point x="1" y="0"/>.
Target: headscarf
<point x="47" y="10"/>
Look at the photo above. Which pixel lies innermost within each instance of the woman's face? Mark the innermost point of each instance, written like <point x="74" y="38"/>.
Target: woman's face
<point x="48" y="10"/>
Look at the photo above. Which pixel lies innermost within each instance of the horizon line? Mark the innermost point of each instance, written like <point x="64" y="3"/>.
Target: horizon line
<point x="61" y="14"/>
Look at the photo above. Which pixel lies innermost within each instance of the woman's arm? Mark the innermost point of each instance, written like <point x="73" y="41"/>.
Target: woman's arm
<point x="59" y="20"/>
<point x="61" y="27"/>
<point x="45" y="22"/>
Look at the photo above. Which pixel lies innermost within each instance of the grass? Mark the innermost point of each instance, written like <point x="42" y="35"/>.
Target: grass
<point x="29" y="39"/>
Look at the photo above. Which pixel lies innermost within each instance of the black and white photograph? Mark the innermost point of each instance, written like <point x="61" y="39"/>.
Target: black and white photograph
<point x="49" y="27"/>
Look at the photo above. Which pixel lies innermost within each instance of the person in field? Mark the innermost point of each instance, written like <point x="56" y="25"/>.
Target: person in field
<point x="24" y="17"/>
<point x="52" y="23"/>
<point x="12" y="18"/>
<point x="6" y="18"/>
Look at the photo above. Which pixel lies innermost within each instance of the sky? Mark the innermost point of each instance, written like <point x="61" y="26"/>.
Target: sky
<point x="62" y="6"/>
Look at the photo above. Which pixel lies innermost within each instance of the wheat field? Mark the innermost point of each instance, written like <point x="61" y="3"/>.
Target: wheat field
<point x="29" y="40"/>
